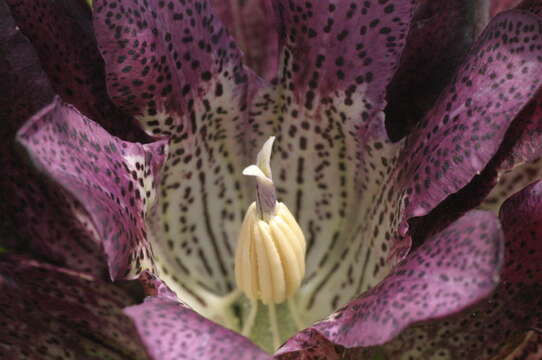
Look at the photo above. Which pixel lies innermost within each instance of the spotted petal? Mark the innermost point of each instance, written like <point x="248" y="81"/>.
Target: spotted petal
<point x="465" y="129"/>
<point x="36" y="216"/>
<point x="450" y="271"/>
<point x="171" y="331"/>
<point x="61" y="33"/>
<point x="48" y="312"/>
<point x="500" y="323"/>
<point x="115" y="181"/>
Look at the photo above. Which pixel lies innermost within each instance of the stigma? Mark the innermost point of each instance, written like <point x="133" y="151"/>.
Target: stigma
<point x="270" y="254"/>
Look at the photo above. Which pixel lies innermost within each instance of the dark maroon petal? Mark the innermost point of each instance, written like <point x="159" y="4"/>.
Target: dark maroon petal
<point x="441" y="35"/>
<point x="252" y="25"/>
<point x="483" y="331"/>
<point x="464" y="130"/>
<point x="50" y="313"/>
<point x="36" y="216"/>
<point x="450" y="271"/>
<point x="113" y="180"/>
<point x="172" y="331"/>
<point x="61" y="33"/>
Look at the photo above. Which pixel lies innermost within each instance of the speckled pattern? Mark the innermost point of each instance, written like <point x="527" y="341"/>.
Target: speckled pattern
<point x="437" y="279"/>
<point x="172" y="331"/>
<point x="513" y="309"/>
<point x="320" y="104"/>
<point x="174" y="67"/>
<point x="37" y="216"/>
<point x="115" y="180"/>
<point x="50" y="313"/>
<point x="62" y="35"/>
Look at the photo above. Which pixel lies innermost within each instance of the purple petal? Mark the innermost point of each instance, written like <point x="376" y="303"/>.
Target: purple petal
<point x="442" y="33"/>
<point x="171" y="331"/>
<point x="464" y="130"/>
<point x="252" y="24"/>
<point x="113" y="180"/>
<point x="483" y="331"/>
<point x="450" y="271"/>
<point x="61" y="33"/>
<point x="48" y="312"/>
<point x="37" y="216"/>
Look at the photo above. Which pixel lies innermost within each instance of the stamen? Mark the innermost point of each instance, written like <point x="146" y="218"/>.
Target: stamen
<point x="270" y="255"/>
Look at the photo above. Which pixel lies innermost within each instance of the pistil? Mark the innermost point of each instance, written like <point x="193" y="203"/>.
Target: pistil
<point x="270" y="255"/>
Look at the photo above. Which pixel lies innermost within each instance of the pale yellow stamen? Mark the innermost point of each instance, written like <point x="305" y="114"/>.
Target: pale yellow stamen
<point x="270" y="256"/>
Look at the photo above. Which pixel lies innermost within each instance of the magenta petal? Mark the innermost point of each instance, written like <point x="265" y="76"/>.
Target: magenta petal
<point x="464" y="130"/>
<point x="483" y="331"/>
<point x="114" y="180"/>
<point x="50" y="313"/>
<point x="252" y="25"/>
<point x="172" y="331"/>
<point x="450" y="271"/>
<point x="62" y="34"/>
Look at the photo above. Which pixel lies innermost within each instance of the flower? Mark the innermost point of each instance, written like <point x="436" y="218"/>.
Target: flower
<point x="395" y="262"/>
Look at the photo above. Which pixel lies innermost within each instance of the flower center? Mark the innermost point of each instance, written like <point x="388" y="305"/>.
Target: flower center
<point x="270" y="255"/>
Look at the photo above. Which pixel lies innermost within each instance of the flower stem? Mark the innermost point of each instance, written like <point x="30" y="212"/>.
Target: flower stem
<point x="274" y="325"/>
<point x="251" y="317"/>
<point x="295" y="314"/>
